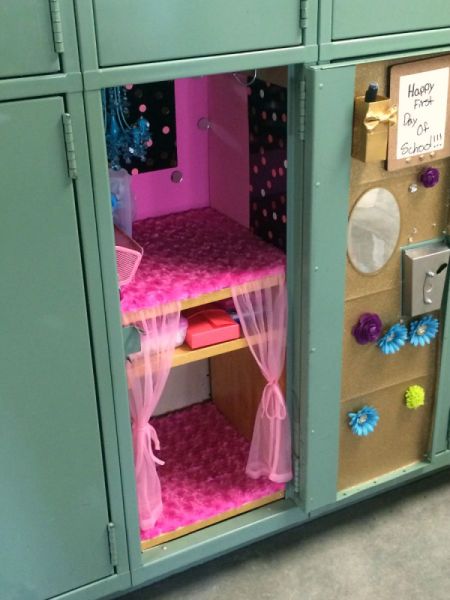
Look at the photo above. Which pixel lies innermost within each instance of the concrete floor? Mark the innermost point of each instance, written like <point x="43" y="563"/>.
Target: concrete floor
<point x="395" y="546"/>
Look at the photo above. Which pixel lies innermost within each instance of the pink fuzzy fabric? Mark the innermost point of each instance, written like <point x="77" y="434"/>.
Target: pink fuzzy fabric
<point x="204" y="471"/>
<point x="193" y="253"/>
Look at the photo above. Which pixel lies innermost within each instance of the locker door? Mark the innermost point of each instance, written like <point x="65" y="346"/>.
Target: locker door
<point x="26" y="38"/>
<point x="53" y="501"/>
<point x="340" y="375"/>
<point x="399" y="213"/>
<point x="150" y="30"/>
<point x="366" y="18"/>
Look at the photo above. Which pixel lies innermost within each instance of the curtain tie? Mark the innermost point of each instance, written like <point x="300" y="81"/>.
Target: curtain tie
<point x="149" y="439"/>
<point x="273" y="405"/>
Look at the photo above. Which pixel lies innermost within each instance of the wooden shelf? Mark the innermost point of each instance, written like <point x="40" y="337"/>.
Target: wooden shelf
<point x="181" y="531"/>
<point x="222" y="294"/>
<point x="184" y="355"/>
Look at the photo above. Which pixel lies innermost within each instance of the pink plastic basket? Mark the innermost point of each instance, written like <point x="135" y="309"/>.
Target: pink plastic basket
<point x="128" y="256"/>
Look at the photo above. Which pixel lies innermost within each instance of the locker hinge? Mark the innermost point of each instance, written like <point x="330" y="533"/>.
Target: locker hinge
<point x="112" y="544"/>
<point x="302" y="109"/>
<point x="57" y="26"/>
<point x="70" y="146"/>
<point x="296" y="475"/>
<point x="303" y="14"/>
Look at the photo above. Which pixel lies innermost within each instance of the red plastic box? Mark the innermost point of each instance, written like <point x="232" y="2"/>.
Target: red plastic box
<point x="209" y="325"/>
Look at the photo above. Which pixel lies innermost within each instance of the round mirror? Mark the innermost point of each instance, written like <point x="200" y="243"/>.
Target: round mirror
<point x="373" y="230"/>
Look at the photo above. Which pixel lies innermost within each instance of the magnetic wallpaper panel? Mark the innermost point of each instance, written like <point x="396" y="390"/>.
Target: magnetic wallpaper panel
<point x="267" y="112"/>
<point x="156" y="102"/>
<point x="369" y="377"/>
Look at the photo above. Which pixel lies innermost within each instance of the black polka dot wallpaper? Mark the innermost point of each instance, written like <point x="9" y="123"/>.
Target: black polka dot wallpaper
<point x="156" y="102"/>
<point x="267" y="108"/>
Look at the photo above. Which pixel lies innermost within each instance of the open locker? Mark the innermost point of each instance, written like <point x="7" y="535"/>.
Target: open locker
<point x="199" y="199"/>
<point x="205" y="193"/>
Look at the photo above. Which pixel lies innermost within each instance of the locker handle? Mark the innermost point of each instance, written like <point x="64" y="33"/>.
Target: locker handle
<point x="428" y="287"/>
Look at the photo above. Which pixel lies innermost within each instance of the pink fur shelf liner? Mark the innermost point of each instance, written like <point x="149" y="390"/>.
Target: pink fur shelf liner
<point x="204" y="470"/>
<point x="193" y="253"/>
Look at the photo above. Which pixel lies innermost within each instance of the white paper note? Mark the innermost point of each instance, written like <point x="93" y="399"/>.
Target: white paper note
<point x="422" y="112"/>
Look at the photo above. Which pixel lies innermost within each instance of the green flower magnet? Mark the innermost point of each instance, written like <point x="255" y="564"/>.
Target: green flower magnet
<point x="415" y="396"/>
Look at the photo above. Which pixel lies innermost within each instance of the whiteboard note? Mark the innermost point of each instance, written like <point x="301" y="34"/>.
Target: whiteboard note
<point x="422" y="112"/>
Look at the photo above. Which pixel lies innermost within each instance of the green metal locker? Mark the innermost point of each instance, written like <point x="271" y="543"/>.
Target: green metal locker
<point x="369" y="18"/>
<point x="158" y="31"/>
<point x="30" y="38"/>
<point x="68" y="506"/>
<point x="53" y="506"/>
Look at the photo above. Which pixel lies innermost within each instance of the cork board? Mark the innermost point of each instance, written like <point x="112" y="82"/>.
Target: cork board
<point x="420" y="90"/>
<point x="365" y="368"/>
<point x="423" y="217"/>
<point x="368" y="376"/>
<point x="400" y="438"/>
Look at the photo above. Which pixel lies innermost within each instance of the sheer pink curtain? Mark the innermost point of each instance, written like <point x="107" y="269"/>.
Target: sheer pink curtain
<point x="262" y="310"/>
<point x="147" y="377"/>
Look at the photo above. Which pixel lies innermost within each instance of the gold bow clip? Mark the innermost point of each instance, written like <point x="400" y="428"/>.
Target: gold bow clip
<point x="374" y="117"/>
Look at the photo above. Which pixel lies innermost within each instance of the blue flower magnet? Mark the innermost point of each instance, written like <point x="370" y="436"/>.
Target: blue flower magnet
<point x="424" y="330"/>
<point x="393" y="340"/>
<point x="363" y="421"/>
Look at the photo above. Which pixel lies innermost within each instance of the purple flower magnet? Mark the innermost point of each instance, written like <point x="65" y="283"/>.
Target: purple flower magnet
<point x="368" y="328"/>
<point x="429" y="177"/>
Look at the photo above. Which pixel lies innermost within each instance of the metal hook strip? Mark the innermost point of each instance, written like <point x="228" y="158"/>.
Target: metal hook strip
<point x="247" y="83"/>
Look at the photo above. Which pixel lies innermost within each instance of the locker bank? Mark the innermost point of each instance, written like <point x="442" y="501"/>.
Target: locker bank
<point x="225" y="255"/>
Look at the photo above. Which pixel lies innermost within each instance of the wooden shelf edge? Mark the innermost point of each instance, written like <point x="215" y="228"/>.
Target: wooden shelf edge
<point x="184" y="355"/>
<point x="206" y="298"/>
<point x="181" y="531"/>
<point x="129" y="318"/>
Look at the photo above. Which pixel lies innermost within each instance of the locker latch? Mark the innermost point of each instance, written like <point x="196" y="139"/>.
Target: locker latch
<point x="424" y="275"/>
